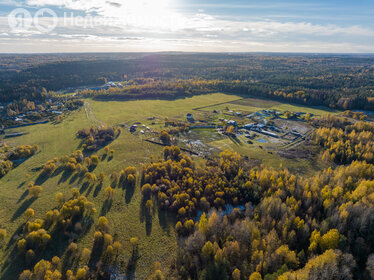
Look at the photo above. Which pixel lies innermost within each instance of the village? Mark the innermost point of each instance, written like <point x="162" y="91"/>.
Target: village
<point x="206" y="133"/>
<point x="26" y="113"/>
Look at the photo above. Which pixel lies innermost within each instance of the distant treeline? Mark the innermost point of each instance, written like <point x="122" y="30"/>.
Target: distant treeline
<point x="331" y="80"/>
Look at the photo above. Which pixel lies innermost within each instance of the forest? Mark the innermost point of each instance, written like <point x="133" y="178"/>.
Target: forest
<point x="340" y="81"/>
<point x="282" y="226"/>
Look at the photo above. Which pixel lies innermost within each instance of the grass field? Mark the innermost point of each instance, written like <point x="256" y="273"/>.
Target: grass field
<point x="251" y="105"/>
<point x="157" y="240"/>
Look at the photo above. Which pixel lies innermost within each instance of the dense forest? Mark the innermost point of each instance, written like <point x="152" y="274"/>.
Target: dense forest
<point x="336" y="80"/>
<point x="282" y="226"/>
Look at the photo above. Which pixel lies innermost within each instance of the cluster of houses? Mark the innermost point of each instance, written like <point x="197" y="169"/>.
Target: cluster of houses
<point x="134" y="128"/>
<point x="268" y="113"/>
<point x="263" y="128"/>
<point x="265" y="113"/>
<point x="107" y="86"/>
<point x="46" y="109"/>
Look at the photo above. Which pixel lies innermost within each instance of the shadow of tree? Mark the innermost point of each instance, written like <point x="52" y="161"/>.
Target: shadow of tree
<point x="15" y="235"/>
<point x="131" y="265"/>
<point x="74" y="178"/>
<point x="92" y="167"/>
<point x="130" y="190"/>
<point x="41" y="179"/>
<point x="65" y="176"/>
<point x="96" y="253"/>
<point x="23" y="196"/>
<point x="97" y="189"/>
<point x="44" y="177"/>
<point x="235" y="140"/>
<point x="166" y="220"/>
<point x="84" y="187"/>
<point x="26" y="204"/>
<point x="146" y="216"/>
<point x="13" y="265"/>
<point x="89" y="190"/>
<point x="114" y="184"/>
<point x="106" y="207"/>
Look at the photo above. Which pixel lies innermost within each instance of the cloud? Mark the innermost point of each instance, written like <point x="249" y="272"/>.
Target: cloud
<point x="149" y="24"/>
<point x="114" y="4"/>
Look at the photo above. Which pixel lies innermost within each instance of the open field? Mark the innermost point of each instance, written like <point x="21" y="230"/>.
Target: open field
<point x="251" y="105"/>
<point x="157" y="239"/>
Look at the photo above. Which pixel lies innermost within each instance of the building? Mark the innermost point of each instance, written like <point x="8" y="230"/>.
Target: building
<point x="133" y="128"/>
<point x="190" y="118"/>
<point x="268" y="133"/>
<point x="232" y="122"/>
<point x="249" y="126"/>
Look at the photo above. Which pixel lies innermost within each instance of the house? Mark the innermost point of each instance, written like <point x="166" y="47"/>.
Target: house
<point x="258" y="114"/>
<point x="274" y="128"/>
<point x="232" y="122"/>
<point x="269" y="133"/>
<point x="190" y="118"/>
<point x="249" y="126"/>
<point x="133" y="128"/>
<point x="295" y="133"/>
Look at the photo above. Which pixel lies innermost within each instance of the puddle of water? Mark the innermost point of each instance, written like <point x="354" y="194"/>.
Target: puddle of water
<point x="262" y="141"/>
<point x="228" y="210"/>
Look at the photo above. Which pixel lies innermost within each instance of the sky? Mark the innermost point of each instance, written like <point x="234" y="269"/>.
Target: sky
<point x="329" y="26"/>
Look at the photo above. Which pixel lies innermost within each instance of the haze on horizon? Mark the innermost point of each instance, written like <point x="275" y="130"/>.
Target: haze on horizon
<point x="189" y="25"/>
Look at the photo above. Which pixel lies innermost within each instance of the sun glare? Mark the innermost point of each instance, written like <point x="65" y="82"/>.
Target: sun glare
<point x="148" y="14"/>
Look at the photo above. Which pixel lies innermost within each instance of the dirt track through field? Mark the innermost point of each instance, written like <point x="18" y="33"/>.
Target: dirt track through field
<point x="91" y="116"/>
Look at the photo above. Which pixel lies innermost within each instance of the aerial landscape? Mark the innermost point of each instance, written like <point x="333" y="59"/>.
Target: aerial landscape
<point x="177" y="155"/>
